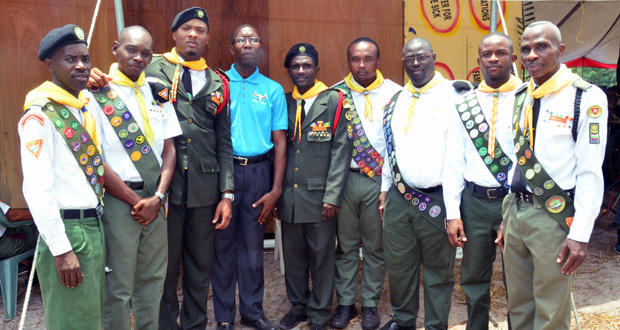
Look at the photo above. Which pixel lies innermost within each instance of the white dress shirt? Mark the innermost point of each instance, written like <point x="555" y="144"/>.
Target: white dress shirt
<point x="199" y="78"/>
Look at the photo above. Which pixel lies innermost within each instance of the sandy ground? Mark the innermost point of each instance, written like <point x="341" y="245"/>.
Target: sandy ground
<point x="596" y="293"/>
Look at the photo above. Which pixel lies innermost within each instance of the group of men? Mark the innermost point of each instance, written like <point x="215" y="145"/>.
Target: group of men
<point x="188" y="179"/>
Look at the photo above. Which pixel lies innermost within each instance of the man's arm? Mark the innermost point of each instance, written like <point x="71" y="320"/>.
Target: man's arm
<point x="279" y="165"/>
<point x="225" y="162"/>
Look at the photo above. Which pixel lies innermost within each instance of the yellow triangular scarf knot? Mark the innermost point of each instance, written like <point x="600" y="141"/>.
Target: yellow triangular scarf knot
<point x="315" y="90"/>
<point x="511" y="84"/>
<point x="416" y="95"/>
<point x="173" y="57"/>
<point x="359" y="89"/>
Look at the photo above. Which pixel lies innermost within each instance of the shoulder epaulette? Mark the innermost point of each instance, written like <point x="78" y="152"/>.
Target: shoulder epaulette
<point x="463" y="86"/>
<point x="40" y="102"/>
<point x="581" y="84"/>
<point x="159" y="89"/>
<point x="222" y="74"/>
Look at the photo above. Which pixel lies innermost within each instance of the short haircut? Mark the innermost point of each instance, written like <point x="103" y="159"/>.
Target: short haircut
<point x="238" y="28"/>
<point x="420" y="40"/>
<point x="363" y="39"/>
<point x="554" y="29"/>
<point x="498" y="34"/>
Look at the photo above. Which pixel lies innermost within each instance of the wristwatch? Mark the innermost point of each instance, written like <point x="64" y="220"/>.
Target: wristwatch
<point x="162" y="198"/>
<point x="230" y="196"/>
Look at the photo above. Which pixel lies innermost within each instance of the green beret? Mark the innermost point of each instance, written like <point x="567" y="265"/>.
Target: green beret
<point x="190" y="13"/>
<point x="301" y="49"/>
<point x="60" y="37"/>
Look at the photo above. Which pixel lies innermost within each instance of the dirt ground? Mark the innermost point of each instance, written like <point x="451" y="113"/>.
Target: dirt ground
<point x="596" y="293"/>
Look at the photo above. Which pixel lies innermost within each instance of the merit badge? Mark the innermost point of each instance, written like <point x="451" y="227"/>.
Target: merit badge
<point x="76" y="146"/>
<point x="462" y="107"/>
<point x="497" y="153"/>
<point x="479" y="118"/>
<point x="140" y="139"/>
<point x="145" y="150"/>
<point x="58" y="122"/>
<point x="83" y="159"/>
<point x="529" y="174"/>
<point x="128" y="144"/>
<point x="401" y="188"/>
<point x="494" y="168"/>
<point x="538" y="191"/>
<point x="94" y="89"/>
<point x="469" y="124"/>
<point x="472" y="103"/>
<point x="93" y="180"/>
<point x="115" y="121"/>
<point x="549" y="184"/>
<point x="90" y="150"/>
<point x="100" y="171"/>
<point x="465" y="116"/>
<point x="594" y="134"/>
<point x="108" y="110"/>
<point x="522" y="160"/>
<point x="68" y="132"/>
<point x="32" y="116"/>
<point x="521" y="139"/>
<point x="517" y="147"/>
<point x="470" y="96"/>
<point x="201" y="14"/>
<point x="504" y="161"/>
<point x="537" y="168"/>
<point x="483" y="127"/>
<point x="397" y="177"/>
<point x="415" y="201"/>
<point x="64" y="113"/>
<point x="75" y="125"/>
<point x="595" y="111"/>
<point x="473" y="133"/>
<point x="408" y="196"/>
<point x="35" y="147"/>
<point x="569" y="221"/>
<point x="501" y="177"/>
<point x="112" y="95"/>
<point x="133" y="127"/>
<point x="478" y="143"/>
<point x="123" y="133"/>
<point x="476" y="110"/>
<point x="84" y="138"/>
<point x="528" y="153"/>
<point x="482" y="151"/>
<point x="136" y="155"/>
<point x="79" y="33"/>
<point x="422" y="206"/>
<point x="126" y="115"/>
<point x="89" y="170"/>
<point x="434" y="211"/>
<point x="488" y="160"/>
<point x="102" y="99"/>
<point x="555" y="204"/>
<point x="119" y="105"/>
<point x="97" y="161"/>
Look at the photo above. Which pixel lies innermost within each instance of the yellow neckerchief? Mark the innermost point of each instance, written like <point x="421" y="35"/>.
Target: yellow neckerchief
<point x="122" y="80"/>
<point x="314" y="91"/>
<point x="52" y="91"/>
<point x="511" y="84"/>
<point x="417" y="93"/>
<point x="357" y="88"/>
<point x="559" y="80"/>
<point x="172" y="57"/>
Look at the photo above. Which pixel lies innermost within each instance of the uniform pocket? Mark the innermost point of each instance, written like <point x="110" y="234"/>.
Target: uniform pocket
<point x="209" y="165"/>
<point x="316" y="183"/>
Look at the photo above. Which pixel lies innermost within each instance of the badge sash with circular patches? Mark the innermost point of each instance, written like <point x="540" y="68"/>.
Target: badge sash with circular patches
<point x="84" y="138"/>
<point x="93" y="180"/>
<point x="401" y="188"/>
<point x="482" y="151"/>
<point x="422" y="206"/>
<point x="68" y="132"/>
<point x="112" y="95"/>
<point x="488" y="160"/>
<point x="102" y="99"/>
<point x="108" y="110"/>
<point x="408" y="196"/>
<point x="94" y="89"/>
<point x="119" y="105"/>
<point x="123" y="133"/>
<point x="136" y="155"/>
<point x="126" y="115"/>
<point x="90" y="150"/>
<point x="128" y="144"/>
<point x="434" y="211"/>
<point x="462" y="107"/>
<point x="100" y="170"/>
<point x="115" y="121"/>
<point x="83" y="159"/>
<point x="97" y="188"/>
<point x="89" y="170"/>
<point x="75" y="125"/>
<point x="76" y="146"/>
<point x="478" y="143"/>
<point x="473" y="133"/>
<point x="465" y="116"/>
<point x="497" y="153"/>
<point x="522" y="160"/>
<point x="469" y="124"/>
<point x="529" y="174"/>
<point x="475" y="110"/>
<point x="494" y="168"/>
<point x="483" y="127"/>
<point x="96" y="160"/>
<point x="537" y="168"/>
<point x="415" y="201"/>
<point x="538" y="191"/>
<point x="145" y="150"/>
<point x="64" y="113"/>
<point x="549" y="184"/>
<point x="58" y="122"/>
<point x="479" y="118"/>
<point x="528" y="153"/>
<point x="555" y="204"/>
<point x="504" y="161"/>
<point x="517" y="147"/>
<point x="472" y="103"/>
<point x="501" y="177"/>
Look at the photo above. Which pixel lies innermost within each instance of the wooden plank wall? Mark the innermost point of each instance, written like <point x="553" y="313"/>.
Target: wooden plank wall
<point x="328" y="24"/>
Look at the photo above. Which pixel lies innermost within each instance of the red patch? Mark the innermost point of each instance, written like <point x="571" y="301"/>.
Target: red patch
<point x="32" y="116"/>
<point x="569" y="221"/>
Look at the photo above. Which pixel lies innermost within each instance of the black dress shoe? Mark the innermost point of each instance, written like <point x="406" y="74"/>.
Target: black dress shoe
<point x="343" y="315"/>
<point x="291" y="320"/>
<point x="260" y="324"/>
<point x="224" y="326"/>
<point x="314" y="326"/>
<point x="392" y="325"/>
<point x="370" y="318"/>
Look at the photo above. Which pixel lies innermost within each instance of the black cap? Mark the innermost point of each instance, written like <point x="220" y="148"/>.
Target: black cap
<point x="301" y="49"/>
<point x="59" y="37"/>
<point x="190" y="13"/>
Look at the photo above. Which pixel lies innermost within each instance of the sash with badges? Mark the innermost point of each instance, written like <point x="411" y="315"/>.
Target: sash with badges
<point x="476" y="125"/>
<point x="429" y="207"/>
<point x="78" y="140"/>
<point x="364" y="155"/>
<point x="546" y="192"/>
<point x="130" y="136"/>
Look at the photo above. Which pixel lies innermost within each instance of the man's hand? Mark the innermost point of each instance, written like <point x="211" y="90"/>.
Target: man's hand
<point x="500" y="237"/>
<point x="382" y="203"/>
<point x="145" y="211"/>
<point x="268" y="201"/>
<point x="456" y="233"/>
<point x="576" y="253"/>
<point x="224" y="210"/>
<point x="98" y="79"/>
<point x="69" y="270"/>
<point x="329" y="211"/>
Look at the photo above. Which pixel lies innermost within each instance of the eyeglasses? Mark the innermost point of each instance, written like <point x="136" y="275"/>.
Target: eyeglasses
<point x="242" y="40"/>
<point x="420" y="57"/>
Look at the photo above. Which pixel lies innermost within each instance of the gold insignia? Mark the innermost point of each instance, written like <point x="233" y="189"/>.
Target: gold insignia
<point x="201" y="14"/>
<point x="79" y="33"/>
<point x="302" y="49"/>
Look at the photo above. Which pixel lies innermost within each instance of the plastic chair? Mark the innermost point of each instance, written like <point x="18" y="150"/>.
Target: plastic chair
<point x="8" y="272"/>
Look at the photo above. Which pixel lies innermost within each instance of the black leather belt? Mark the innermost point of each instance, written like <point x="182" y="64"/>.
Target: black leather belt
<point x="135" y="185"/>
<point x="77" y="214"/>
<point x="430" y="190"/>
<point x="490" y="193"/>
<point x="251" y="160"/>
<point x="528" y="197"/>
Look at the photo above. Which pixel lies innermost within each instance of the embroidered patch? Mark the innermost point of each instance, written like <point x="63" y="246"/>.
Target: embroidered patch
<point x="594" y="134"/>
<point x="259" y="97"/>
<point x="555" y="204"/>
<point x="217" y="97"/>
<point x="35" y="147"/>
<point x="163" y="93"/>
<point x="595" y="111"/>
<point x="569" y="221"/>
<point x="32" y="116"/>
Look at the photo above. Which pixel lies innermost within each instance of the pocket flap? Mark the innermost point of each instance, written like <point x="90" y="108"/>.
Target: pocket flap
<point x="209" y="165"/>
<point x="316" y="183"/>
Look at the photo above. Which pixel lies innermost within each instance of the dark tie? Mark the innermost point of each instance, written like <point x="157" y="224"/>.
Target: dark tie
<point x="519" y="185"/>
<point x="303" y="110"/>
<point x="187" y="81"/>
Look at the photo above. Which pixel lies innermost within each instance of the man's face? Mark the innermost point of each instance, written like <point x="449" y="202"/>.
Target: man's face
<point x="191" y="39"/>
<point x="540" y="53"/>
<point x="419" y="61"/>
<point x="303" y="71"/>
<point x="363" y="62"/>
<point x="495" y="56"/>
<point x="246" y="53"/>
<point x="70" y="66"/>
<point x="133" y="53"/>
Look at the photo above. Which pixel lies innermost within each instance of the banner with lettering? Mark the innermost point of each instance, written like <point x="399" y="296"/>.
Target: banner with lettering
<point x="455" y="27"/>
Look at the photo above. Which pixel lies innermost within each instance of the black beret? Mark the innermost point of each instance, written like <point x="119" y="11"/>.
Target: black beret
<point x="190" y="13"/>
<point x="59" y="37"/>
<point x="301" y="49"/>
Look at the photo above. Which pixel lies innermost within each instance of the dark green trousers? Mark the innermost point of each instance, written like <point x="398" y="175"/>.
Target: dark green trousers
<point x="481" y="217"/>
<point x="411" y="242"/>
<point x="80" y="308"/>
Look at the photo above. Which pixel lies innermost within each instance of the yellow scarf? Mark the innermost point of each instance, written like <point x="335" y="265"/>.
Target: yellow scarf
<point x="417" y="93"/>
<point x="52" y="91"/>
<point x="173" y="57"/>
<point x="315" y="90"/>
<point x="511" y="84"/>
<point x="357" y="88"/>
<point x="122" y="80"/>
<point x="563" y="77"/>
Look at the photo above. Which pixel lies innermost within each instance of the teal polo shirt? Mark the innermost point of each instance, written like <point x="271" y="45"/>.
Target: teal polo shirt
<point x="257" y="107"/>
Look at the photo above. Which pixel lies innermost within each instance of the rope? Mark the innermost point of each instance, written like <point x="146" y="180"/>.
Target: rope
<point x="29" y="288"/>
<point x="501" y="17"/>
<point x="92" y="25"/>
<point x="573" y="307"/>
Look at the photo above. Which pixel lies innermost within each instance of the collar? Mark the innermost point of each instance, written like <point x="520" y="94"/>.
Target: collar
<point x="236" y="77"/>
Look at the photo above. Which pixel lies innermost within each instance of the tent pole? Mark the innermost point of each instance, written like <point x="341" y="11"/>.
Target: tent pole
<point x="120" y="17"/>
<point x="493" y="24"/>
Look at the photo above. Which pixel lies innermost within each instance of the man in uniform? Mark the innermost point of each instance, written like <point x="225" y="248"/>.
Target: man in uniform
<point x="259" y="122"/>
<point x="138" y="145"/>
<point x="560" y="124"/>
<point x="318" y="157"/>
<point x="479" y="156"/>
<point x="359" y="221"/>
<point x="416" y="122"/>
<point x="62" y="169"/>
